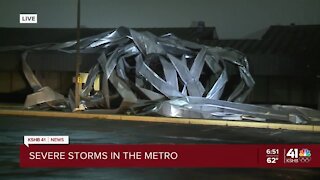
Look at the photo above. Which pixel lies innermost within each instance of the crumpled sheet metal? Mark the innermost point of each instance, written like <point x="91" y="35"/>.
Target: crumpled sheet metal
<point x="42" y="95"/>
<point x="145" y="74"/>
<point x="196" y="107"/>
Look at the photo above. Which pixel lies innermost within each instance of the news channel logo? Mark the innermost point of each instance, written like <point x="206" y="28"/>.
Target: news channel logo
<point x="295" y="155"/>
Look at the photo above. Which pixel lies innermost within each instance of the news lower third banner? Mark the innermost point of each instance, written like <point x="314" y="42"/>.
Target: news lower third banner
<point x="52" y="154"/>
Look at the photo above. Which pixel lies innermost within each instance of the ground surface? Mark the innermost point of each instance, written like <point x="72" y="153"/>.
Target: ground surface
<point x="12" y="130"/>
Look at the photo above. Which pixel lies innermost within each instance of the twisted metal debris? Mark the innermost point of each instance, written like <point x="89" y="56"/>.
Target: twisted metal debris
<point x="144" y="74"/>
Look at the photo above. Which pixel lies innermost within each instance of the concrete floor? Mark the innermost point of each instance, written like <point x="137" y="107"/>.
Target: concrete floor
<point x="12" y="130"/>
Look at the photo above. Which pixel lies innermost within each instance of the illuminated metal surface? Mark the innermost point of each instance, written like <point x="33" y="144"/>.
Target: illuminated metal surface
<point x="145" y="74"/>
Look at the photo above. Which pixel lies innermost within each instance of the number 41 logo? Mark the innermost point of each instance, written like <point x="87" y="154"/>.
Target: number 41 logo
<point x="293" y="153"/>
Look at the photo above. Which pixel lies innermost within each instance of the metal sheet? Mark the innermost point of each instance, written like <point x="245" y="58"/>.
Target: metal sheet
<point x="190" y="83"/>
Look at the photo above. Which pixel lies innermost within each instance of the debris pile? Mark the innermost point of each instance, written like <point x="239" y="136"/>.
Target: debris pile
<point x="143" y="74"/>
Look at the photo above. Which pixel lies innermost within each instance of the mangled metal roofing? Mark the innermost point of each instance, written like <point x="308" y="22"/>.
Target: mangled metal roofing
<point x="144" y="74"/>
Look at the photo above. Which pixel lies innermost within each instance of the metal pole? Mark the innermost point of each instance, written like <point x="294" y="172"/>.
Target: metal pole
<point x="78" y="60"/>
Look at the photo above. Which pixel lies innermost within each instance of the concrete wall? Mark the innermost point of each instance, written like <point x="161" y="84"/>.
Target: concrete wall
<point x="233" y="18"/>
